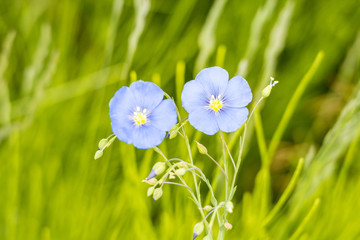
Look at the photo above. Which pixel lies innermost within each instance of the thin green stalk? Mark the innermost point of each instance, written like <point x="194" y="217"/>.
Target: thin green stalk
<point x="226" y="169"/>
<point x="217" y="164"/>
<point x="227" y="149"/>
<point x="290" y="108"/>
<point x="285" y="196"/>
<point x="195" y="198"/>
<point x="302" y="226"/>
<point x="349" y="158"/>
<point x="242" y="143"/>
<point x="261" y="138"/>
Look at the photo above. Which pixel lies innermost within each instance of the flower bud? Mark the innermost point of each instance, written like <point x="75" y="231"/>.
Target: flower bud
<point x="202" y="149"/>
<point x="171" y="175"/>
<point x="267" y="90"/>
<point x="228" y="226"/>
<point x="158" y="168"/>
<point x="180" y="172"/>
<point x="150" y="191"/>
<point x="182" y="165"/>
<point x="208" y="208"/>
<point x="98" y="154"/>
<point x="157" y="194"/>
<point x="151" y="181"/>
<point x="229" y="206"/>
<point x="102" y="143"/>
<point x="173" y="131"/>
<point x="198" y="229"/>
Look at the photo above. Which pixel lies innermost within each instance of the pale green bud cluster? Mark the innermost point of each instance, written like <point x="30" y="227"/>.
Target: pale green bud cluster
<point x="267" y="90"/>
<point x="103" y="143"/>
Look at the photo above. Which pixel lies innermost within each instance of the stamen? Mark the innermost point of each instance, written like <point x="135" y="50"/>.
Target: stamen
<point x="215" y="103"/>
<point x="139" y="116"/>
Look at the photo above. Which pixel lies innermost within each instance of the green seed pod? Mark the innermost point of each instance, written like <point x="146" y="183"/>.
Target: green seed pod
<point x="266" y="91"/>
<point x="157" y="169"/>
<point x="157" y="194"/>
<point x="202" y="149"/>
<point x="229" y="206"/>
<point x="180" y="172"/>
<point x="198" y="229"/>
<point x="102" y="143"/>
<point x="151" y="181"/>
<point x="208" y="208"/>
<point x="98" y="154"/>
<point x="150" y="191"/>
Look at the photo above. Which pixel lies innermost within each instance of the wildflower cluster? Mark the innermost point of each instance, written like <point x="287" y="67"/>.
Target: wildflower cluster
<point x="141" y="116"/>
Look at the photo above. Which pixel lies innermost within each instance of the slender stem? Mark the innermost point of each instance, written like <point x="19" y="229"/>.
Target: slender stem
<point x="207" y="154"/>
<point x="226" y="169"/>
<point x="302" y="225"/>
<point x="196" y="200"/>
<point x="242" y="143"/>
<point x="252" y="112"/>
<point x="285" y="196"/>
<point x="228" y="150"/>
<point x="213" y="218"/>
<point x="179" y="184"/>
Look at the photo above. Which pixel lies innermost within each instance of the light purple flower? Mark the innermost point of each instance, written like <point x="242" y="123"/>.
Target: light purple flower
<point x="214" y="103"/>
<point x="140" y="116"/>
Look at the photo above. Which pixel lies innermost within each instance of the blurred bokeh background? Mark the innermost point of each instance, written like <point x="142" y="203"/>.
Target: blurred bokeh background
<point x="62" y="61"/>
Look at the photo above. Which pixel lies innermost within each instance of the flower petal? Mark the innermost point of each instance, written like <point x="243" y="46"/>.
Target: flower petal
<point x="147" y="136"/>
<point x="164" y="116"/>
<point x="193" y="96"/>
<point x="147" y="94"/>
<point x="231" y="119"/>
<point x="204" y="121"/>
<point x="121" y="106"/>
<point x="122" y="102"/>
<point x="238" y="93"/>
<point x="122" y="127"/>
<point x="214" y="80"/>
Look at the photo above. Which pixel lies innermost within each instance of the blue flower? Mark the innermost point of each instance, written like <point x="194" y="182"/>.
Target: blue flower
<point x="213" y="102"/>
<point x="140" y="116"/>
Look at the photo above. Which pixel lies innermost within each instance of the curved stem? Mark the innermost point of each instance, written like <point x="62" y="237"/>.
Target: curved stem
<point x="207" y="154"/>
<point x="228" y="150"/>
<point x="179" y="184"/>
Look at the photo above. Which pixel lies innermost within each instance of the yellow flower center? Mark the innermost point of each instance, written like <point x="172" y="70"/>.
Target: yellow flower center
<point x="140" y="117"/>
<point x="215" y="103"/>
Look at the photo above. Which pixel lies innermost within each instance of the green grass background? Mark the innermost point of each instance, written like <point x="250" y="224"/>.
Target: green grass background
<point x="62" y="61"/>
